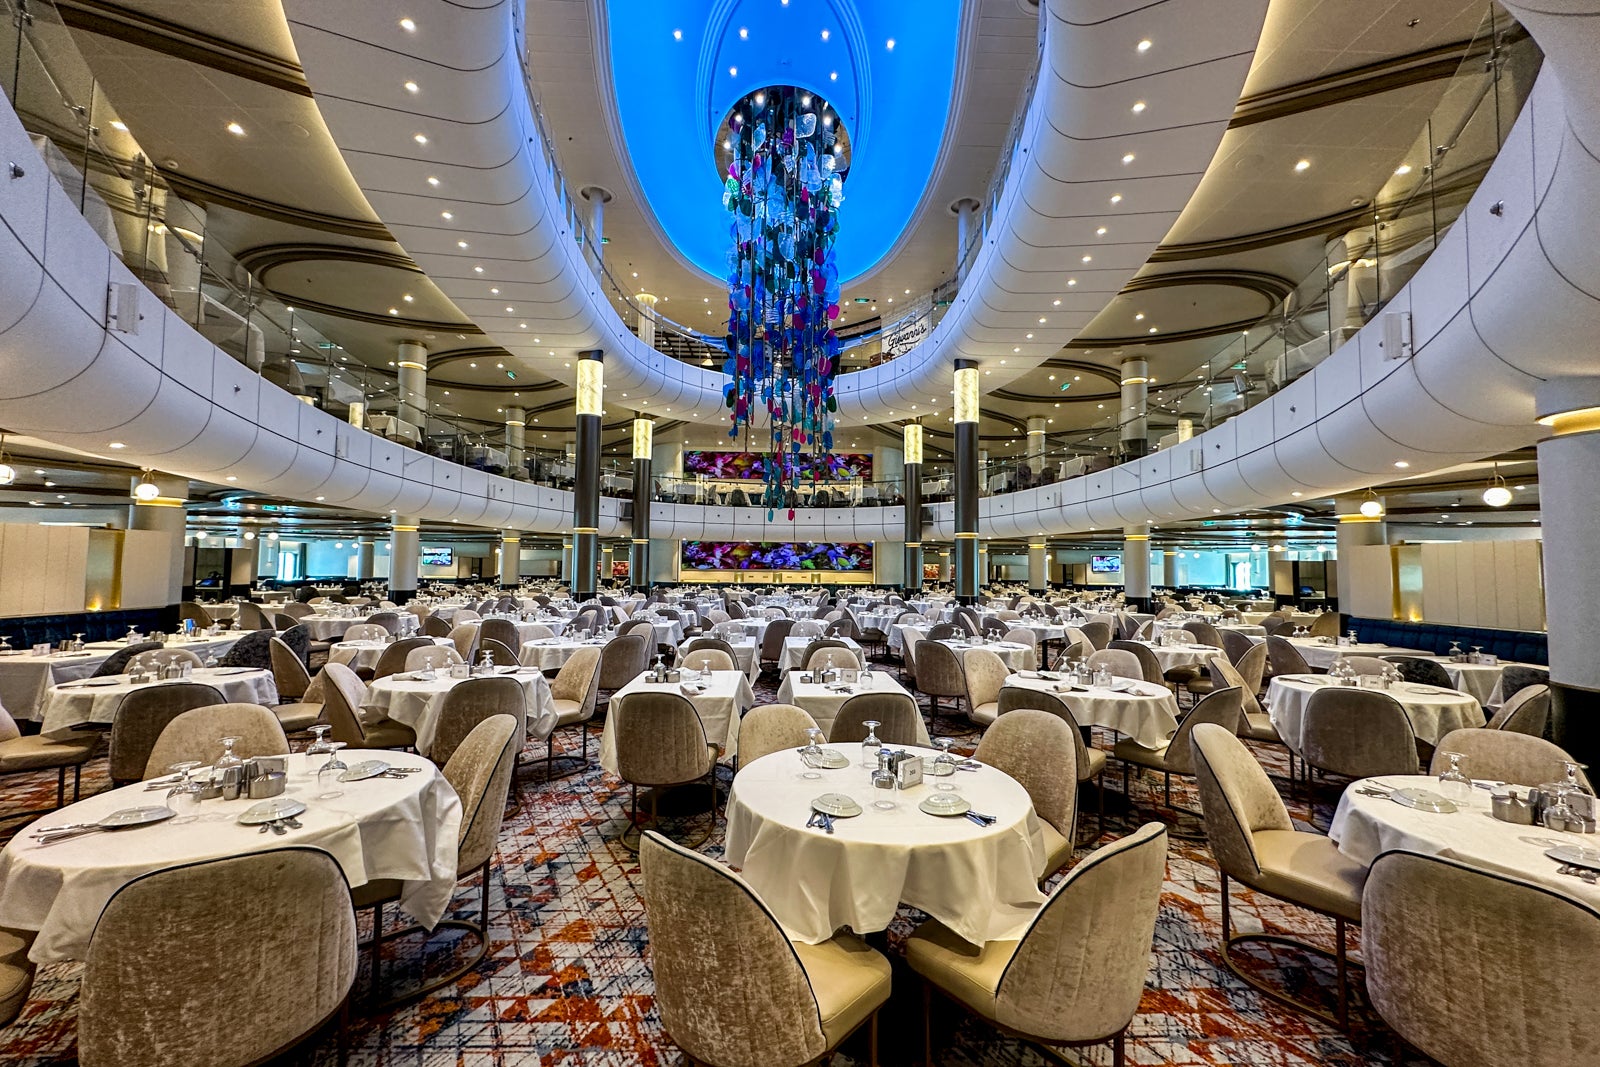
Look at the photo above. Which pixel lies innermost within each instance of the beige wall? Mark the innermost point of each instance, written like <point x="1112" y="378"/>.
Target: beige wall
<point x="49" y="570"/>
<point x="1496" y="584"/>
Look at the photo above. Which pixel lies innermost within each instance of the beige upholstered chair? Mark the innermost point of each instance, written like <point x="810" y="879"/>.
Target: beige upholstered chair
<point x="251" y="617"/>
<point x="502" y="630"/>
<point x="342" y="696"/>
<point x="1423" y="916"/>
<point x="188" y="609"/>
<point x="196" y="734"/>
<point x="158" y="658"/>
<point x="772" y="639"/>
<point x="709" y="659"/>
<point x="1363" y="664"/>
<point x="366" y="631"/>
<point x="35" y="752"/>
<point x="389" y="620"/>
<point x="624" y="658"/>
<point x="985" y="672"/>
<point x="470" y="702"/>
<point x="1038" y="750"/>
<point x="896" y="714"/>
<point x="480" y="772"/>
<point x="392" y="660"/>
<point x="141" y="717"/>
<point x="1284" y="657"/>
<point x="437" y="657"/>
<point x="16" y="972"/>
<point x="1021" y="635"/>
<point x="1097" y="634"/>
<point x="1221" y="706"/>
<point x="1255" y="842"/>
<point x="826" y="645"/>
<point x="660" y="741"/>
<point x="464" y="635"/>
<point x="1076" y="976"/>
<point x="574" y="692"/>
<point x="296" y="610"/>
<point x="1236" y="645"/>
<point x="732" y="990"/>
<point x="1120" y="663"/>
<point x="1326" y="625"/>
<point x="1149" y="666"/>
<point x="431" y="626"/>
<point x="808" y="628"/>
<point x="1505" y="756"/>
<point x="1358" y="733"/>
<point x="535" y="631"/>
<point x="1526" y="712"/>
<point x="1203" y="633"/>
<point x="769" y="728"/>
<point x="297" y="714"/>
<point x="1089" y="762"/>
<point x="500" y="654"/>
<point x="290" y="906"/>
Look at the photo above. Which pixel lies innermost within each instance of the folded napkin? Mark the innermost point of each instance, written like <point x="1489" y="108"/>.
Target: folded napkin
<point x="691" y="690"/>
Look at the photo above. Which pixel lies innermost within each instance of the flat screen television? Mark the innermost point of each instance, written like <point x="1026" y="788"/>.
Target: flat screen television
<point x="1105" y="564"/>
<point x="438" y="557"/>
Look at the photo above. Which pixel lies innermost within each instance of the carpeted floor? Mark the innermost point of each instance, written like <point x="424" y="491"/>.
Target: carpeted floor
<point x="567" y="980"/>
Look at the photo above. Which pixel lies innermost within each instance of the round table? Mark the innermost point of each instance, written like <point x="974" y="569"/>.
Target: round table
<point x="329" y="627"/>
<point x="96" y="700"/>
<point x="1481" y="680"/>
<point x="1013" y="654"/>
<point x="1170" y="656"/>
<point x="417" y="703"/>
<point x="822" y="702"/>
<point x="1433" y="712"/>
<point x="744" y="656"/>
<point x="721" y="708"/>
<point x="401" y="828"/>
<point x="25" y="679"/>
<point x="1365" y="827"/>
<point x="980" y="881"/>
<point x="1144" y="711"/>
<point x="551" y="653"/>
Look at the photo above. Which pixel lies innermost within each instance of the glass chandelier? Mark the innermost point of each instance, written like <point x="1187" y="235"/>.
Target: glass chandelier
<point x="786" y="156"/>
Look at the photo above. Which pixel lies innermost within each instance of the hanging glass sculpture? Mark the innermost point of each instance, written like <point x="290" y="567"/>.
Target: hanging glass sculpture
<point x="787" y="157"/>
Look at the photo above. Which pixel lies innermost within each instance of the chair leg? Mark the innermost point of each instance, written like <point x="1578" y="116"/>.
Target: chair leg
<point x="1119" y="1053"/>
<point x="1167" y="786"/>
<point x="77" y="782"/>
<point x="872" y="1041"/>
<point x="61" y="785"/>
<point x="927" y="1022"/>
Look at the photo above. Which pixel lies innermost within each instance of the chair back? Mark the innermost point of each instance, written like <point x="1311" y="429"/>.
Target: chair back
<point x="117" y="662"/>
<point x="287" y="905"/>
<point x="389" y="620"/>
<point x="1036" y="748"/>
<point x="1203" y="633"/>
<point x="939" y="671"/>
<point x="464" y="635"/>
<point x="1515" y="677"/>
<point x="366" y="631"/>
<point x="251" y="617"/>
<point x="1236" y="644"/>
<point x="643" y="627"/>
<point x="143" y="715"/>
<point x="432" y="626"/>
<point x="769" y="728"/>
<point x="805" y="628"/>
<point x="479" y="770"/>
<point x="1097" y="634"/>
<point x="1326" y="624"/>
<point x="499" y="653"/>
<point x="896" y="714"/>
<point x="708" y="659"/>
<point x="1422" y="671"/>
<point x="1017" y="697"/>
<point x="1284" y="657"/>
<point x="718" y="643"/>
<point x="1021" y="635"/>
<point x="1079" y="971"/>
<point x="736" y="610"/>
<point x="1359" y="733"/>
<point x="1505" y="756"/>
<point x="1275" y="625"/>
<point x="502" y="630"/>
<point x="288" y="671"/>
<point x="819" y="644"/>
<point x="464" y="615"/>
<point x="1225" y="673"/>
<point x="1120" y="663"/>
<point x="729" y="986"/>
<point x="195" y="734"/>
<point x="296" y="610"/>
<point x="343" y="693"/>
<point x="772" y="639"/>
<point x="945" y="631"/>
<point x="1224" y="707"/>
<point x="622" y="659"/>
<point x="660" y="739"/>
<point x="254" y="649"/>
<point x="1366" y="664"/>
<point x="1527" y="712"/>
<point x="985" y="673"/>
<point x="188" y="609"/>
<point x="1149" y="665"/>
<point x="1237" y="798"/>
<point x="392" y="660"/>
<point x="434" y="657"/>
<point x="579" y="680"/>
<point x="158" y="658"/>
<point x="1421" y="916"/>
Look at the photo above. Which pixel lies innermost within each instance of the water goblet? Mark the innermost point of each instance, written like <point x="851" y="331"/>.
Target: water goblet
<point x="328" y="774"/>
<point x="184" y="796"/>
<point x="319" y="746"/>
<point x="1453" y="781"/>
<point x="945" y="759"/>
<point x="811" y="755"/>
<point x="228" y="760"/>
<point x="870" y="745"/>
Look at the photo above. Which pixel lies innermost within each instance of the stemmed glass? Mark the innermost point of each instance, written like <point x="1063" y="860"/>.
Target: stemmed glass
<point x="1351" y="634"/>
<point x="228" y="760"/>
<point x="318" y="746"/>
<point x="328" y="773"/>
<point x="184" y="796"/>
<point x="811" y="755"/>
<point x="1453" y="781"/>
<point x="77" y="642"/>
<point x="871" y="746"/>
<point x="945" y="759"/>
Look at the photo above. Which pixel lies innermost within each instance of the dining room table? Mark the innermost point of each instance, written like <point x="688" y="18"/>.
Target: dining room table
<point x="1321" y="653"/>
<point x="720" y="698"/>
<point x="95" y="701"/>
<point x="26" y="678"/>
<point x="1144" y="711"/>
<point x="1369" y="822"/>
<point x="402" y="828"/>
<point x="822" y="700"/>
<point x="366" y="653"/>
<point x="329" y="627"/>
<point x="1433" y="711"/>
<point x="980" y="881"/>
<point x="552" y="653"/>
<point x="745" y="655"/>
<point x="416" y="700"/>
<point x="1182" y="655"/>
<point x="795" y="647"/>
<point x="1014" y="654"/>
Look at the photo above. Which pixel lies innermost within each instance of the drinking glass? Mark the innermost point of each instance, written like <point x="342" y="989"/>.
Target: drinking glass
<point x="871" y="746"/>
<point x="883" y="787"/>
<point x="944" y="758"/>
<point x="811" y="755"/>
<point x="184" y="796"/>
<point x="328" y="773"/>
<point x="1453" y="781"/>
<point x="228" y="760"/>
<point x="319" y="746"/>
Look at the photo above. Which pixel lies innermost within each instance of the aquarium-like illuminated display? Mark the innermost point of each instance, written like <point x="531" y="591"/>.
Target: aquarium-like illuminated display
<point x="776" y="556"/>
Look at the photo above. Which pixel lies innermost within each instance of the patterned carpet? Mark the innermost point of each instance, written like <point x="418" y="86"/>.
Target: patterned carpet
<point x="567" y="979"/>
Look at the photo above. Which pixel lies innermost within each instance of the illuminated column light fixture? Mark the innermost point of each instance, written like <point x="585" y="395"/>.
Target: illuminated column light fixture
<point x="591" y="386"/>
<point x="912" y="443"/>
<point x="644" y="438"/>
<point x="146" y="490"/>
<point x="966" y="394"/>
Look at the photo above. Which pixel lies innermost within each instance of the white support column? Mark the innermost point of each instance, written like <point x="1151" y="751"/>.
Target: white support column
<point x="1036" y="443"/>
<point x="163" y="513"/>
<point x="404" y="556"/>
<point x="510" y="559"/>
<point x="1136" y="566"/>
<point x="412" y="375"/>
<point x="366" y="555"/>
<point x="516" y="441"/>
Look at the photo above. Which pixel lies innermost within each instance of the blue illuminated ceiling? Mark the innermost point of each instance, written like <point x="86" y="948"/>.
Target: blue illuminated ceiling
<point x="678" y="66"/>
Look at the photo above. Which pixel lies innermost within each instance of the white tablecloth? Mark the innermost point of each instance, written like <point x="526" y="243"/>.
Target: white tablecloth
<point x="795" y="647"/>
<point x="202" y="645"/>
<point x="1145" y="711"/>
<point x="551" y="653"/>
<point x="727" y="697"/>
<point x="25" y="680"/>
<point x="366" y="653"/>
<point x="326" y="628"/>
<point x="1016" y="656"/>
<point x="1433" y="712"/>
<point x="1320" y="656"/>
<point x="980" y="881"/>
<point x="418" y="704"/>
<point x="1247" y="629"/>
<point x="402" y="828"/>
<point x="1366" y="827"/>
<point x="823" y="703"/>
<point x="77" y="703"/>
<point x="744" y="656"/>
<point x="1170" y="656"/>
<point x="1481" y="680"/>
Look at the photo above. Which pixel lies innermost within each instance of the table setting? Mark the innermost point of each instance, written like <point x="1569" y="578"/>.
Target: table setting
<point x="1013" y="654"/>
<point x="1144" y="711"/>
<point x="962" y="844"/>
<point x="96" y="700"/>
<point x="720" y="698"/>
<point x="795" y="647"/>
<point x="416" y="698"/>
<point x="822" y="700"/>
<point x="745" y="656"/>
<point x="398" y="822"/>
<point x="551" y="653"/>
<point x="1433" y="712"/>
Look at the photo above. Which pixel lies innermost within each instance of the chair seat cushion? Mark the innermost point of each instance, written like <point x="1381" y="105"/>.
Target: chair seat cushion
<point x="1094" y="766"/>
<point x="850" y="980"/>
<point x="1130" y="751"/>
<point x="1258" y="727"/>
<point x="567" y="711"/>
<point x="16" y="974"/>
<point x="387" y="733"/>
<point x="1309" y="869"/>
<point x="1058" y="850"/>
<point x="33" y="752"/>
<point x="295" y="718"/>
<point x="963" y="970"/>
<point x="1199" y="684"/>
<point x="377" y="891"/>
<point x="1181" y="675"/>
<point x="984" y="714"/>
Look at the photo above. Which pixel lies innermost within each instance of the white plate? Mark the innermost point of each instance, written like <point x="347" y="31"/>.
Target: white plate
<point x="833" y="760"/>
<point x="1576" y="855"/>
<point x="369" y="768"/>
<point x="1423" y="800"/>
<point x="271" y="811"/>
<point x="945" y="804"/>
<point x="839" y="805"/>
<point x="126" y="817"/>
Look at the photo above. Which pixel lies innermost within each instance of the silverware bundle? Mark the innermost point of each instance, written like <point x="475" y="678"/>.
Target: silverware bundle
<point x="820" y="819"/>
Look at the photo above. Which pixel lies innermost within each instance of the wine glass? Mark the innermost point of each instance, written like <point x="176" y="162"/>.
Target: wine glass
<point x="184" y="796"/>
<point x="811" y="755"/>
<point x="871" y="746"/>
<point x="1453" y="781"/>
<point x="319" y="745"/>
<point x="77" y="642"/>
<point x="328" y="774"/>
<point x="945" y="759"/>
<point x="228" y="760"/>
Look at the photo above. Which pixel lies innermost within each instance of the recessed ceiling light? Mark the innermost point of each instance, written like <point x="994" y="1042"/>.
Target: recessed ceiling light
<point x="412" y="87"/>
<point x="394" y="311"/>
<point x="409" y="27"/>
<point x="119" y="125"/>
<point x="1127" y="159"/>
<point x="677" y="35"/>
<point x="744" y="33"/>
<point x="1404" y="168"/>
<point x="433" y="181"/>
<point x="236" y="129"/>
<point x="420" y="138"/>
<point x="1086" y="259"/>
<point x="1139" y="317"/>
<point x="118" y="444"/>
<point x="1101" y="232"/>
<point x="1302" y="166"/>
<point x="447" y="216"/>
<point x="890" y="44"/>
<point x="461" y="244"/>
<point x="408" y="298"/>
<point x="1402" y="464"/>
<point x="479" y="270"/>
<point x="1138" y="107"/>
<point x="1144" y="45"/>
<point x="833" y="76"/>
<point x="1072" y="281"/>
<point x="825" y="35"/>
<point x="733" y="72"/>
